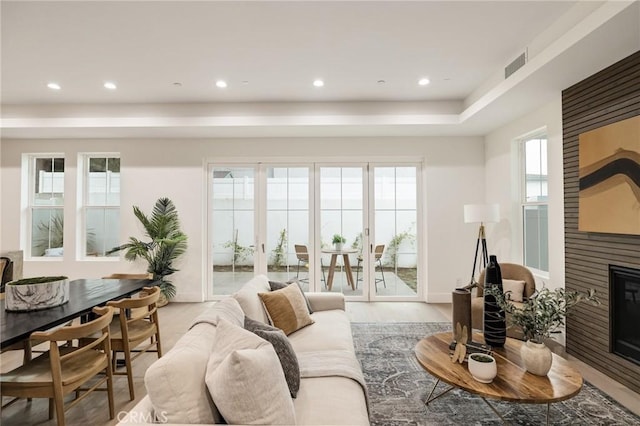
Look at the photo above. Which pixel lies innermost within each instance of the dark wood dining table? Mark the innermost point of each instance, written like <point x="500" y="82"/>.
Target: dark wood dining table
<point x="84" y="295"/>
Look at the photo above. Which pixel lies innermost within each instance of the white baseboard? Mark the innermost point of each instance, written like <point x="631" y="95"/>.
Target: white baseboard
<point x="439" y="297"/>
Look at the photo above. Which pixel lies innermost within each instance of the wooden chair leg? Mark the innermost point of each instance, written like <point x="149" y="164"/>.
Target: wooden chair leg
<point x="127" y="360"/>
<point x="112" y="412"/>
<point x="158" y="345"/>
<point x="51" y="409"/>
<point x="59" y="403"/>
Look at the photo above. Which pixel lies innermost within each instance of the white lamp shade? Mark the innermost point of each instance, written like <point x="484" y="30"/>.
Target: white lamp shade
<point x="486" y="213"/>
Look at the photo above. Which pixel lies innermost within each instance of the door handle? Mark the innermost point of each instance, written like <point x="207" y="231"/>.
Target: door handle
<point x="262" y="247"/>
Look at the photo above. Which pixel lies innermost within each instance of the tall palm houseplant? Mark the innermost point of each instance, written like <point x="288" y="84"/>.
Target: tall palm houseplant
<point x="167" y="243"/>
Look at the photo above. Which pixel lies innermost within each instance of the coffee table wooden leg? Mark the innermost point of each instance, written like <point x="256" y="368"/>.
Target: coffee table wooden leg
<point x="429" y="399"/>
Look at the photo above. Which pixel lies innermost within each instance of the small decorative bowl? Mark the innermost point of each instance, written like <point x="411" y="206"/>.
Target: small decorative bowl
<point x="482" y="367"/>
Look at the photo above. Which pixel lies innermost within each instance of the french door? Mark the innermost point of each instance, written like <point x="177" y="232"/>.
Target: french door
<point x="281" y="220"/>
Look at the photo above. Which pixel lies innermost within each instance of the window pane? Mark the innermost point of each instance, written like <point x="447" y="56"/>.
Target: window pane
<point x="48" y="182"/>
<point x="536" y="225"/>
<point x="47" y="232"/>
<point x="103" y="182"/>
<point x="97" y="165"/>
<point x="535" y="165"/>
<point x="102" y="230"/>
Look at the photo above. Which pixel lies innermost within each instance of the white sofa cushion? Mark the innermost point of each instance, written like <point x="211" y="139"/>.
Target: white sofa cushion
<point x="331" y="401"/>
<point x="227" y="308"/>
<point x="175" y="383"/>
<point x="249" y="300"/>
<point x="331" y="331"/>
<point x="245" y="379"/>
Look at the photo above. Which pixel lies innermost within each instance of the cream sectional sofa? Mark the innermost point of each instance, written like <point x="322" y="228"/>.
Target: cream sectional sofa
<point x="332" y="390"/>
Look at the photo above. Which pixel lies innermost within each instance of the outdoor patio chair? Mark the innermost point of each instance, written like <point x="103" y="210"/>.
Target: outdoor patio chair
<point x="302" y="253"/>
<point x="378" y="259"/>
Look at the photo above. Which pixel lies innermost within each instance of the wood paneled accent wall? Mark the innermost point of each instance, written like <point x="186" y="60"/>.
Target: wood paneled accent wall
<point x="611" y="95"/>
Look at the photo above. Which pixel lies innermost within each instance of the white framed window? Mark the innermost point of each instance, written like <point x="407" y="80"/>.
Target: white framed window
<point x="45" y="205"/>
<point x="534" y="199"/>
<point x="100" y="204"/>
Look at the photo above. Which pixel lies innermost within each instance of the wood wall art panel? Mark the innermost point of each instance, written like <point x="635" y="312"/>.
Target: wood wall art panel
<point x="609" y="173"/>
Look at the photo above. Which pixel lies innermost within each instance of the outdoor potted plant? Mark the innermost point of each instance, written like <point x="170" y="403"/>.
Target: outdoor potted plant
<point x="541" y="314"/>
<point x="167" y="243"/>
<point x="32" y="294"/>
<point x="338" y="241"/>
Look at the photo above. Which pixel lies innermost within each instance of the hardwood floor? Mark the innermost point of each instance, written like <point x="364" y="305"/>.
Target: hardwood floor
<point x="176" y="317"/>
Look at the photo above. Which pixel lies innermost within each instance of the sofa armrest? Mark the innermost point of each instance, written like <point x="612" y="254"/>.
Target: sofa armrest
<point x="141" y="414"/>
<point x="326" y="301"/>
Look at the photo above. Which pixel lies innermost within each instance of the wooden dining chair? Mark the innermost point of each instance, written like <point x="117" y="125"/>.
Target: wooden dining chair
<point x="131" y="330"/>
<point x="65" y="369"/>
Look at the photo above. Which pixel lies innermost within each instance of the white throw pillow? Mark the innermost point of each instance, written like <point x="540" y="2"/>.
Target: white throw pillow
<point x="249" y="300"/>
<point x="515" y="289"/>
<point x="227" y="308"/>
<point x="245" y="379"/>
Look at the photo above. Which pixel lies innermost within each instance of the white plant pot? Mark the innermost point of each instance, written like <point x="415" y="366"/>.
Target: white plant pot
<point x="33" y="297"/>
<point x="338" y="246"/>
<point x="484" y="372"/>
<point x="536" y="357"/>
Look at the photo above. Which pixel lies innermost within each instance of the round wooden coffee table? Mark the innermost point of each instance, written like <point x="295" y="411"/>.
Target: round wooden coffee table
<point x="513" y="382"/>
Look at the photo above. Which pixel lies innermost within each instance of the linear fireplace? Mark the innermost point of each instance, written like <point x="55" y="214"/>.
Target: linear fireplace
<point x="624" y="311"/>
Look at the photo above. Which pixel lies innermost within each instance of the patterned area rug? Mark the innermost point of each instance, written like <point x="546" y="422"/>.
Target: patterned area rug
<point x="398" y="387"/>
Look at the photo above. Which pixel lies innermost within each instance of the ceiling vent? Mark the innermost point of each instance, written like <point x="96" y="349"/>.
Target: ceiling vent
<point x="516" y="64"/>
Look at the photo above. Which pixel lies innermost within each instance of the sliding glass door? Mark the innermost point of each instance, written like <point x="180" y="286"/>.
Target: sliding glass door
<point x="287" y="223"/>
<point x="394" y="258"/>
<point x="232" y="209"/>
<point x="349" y="228"/>
<point x="341" y="225"/>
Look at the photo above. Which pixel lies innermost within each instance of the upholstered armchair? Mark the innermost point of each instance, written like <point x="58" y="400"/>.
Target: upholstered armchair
<point x="515" y="278"/>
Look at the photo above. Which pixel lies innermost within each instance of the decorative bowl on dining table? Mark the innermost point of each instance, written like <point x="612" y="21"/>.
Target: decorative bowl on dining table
<point x="32" y="294"/>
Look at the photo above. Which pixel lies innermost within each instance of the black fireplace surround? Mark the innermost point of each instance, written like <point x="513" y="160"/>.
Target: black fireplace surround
<point x="624" y="312"/>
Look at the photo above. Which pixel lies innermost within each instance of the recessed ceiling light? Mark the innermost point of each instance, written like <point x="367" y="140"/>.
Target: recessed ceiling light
<point x="423" y="81"/>
<point x="177" y="84"/>
<point x="54" y="86"/>
<point x="318" y="83"/>
<point x="110" y="85"/>
<point x="221" y="84"/>
<point x="381" y="81"/>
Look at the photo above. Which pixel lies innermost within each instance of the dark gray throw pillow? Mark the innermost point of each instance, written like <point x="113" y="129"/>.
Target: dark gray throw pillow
<point x="283" y="348"/>
<point x="277" y="285"/>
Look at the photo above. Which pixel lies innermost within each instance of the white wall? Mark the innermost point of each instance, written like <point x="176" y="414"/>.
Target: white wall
<point x="503" y="186"/>
<point x="454" y="176"/>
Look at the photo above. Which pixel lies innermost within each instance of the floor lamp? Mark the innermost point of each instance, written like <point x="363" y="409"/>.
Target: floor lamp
<point x="480" y="213"/>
